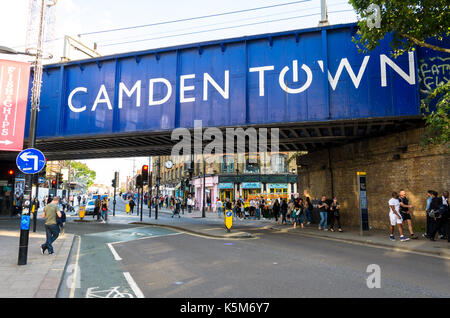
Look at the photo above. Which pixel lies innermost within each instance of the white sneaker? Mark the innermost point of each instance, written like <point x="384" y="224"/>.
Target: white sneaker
<point x="404" y="239"/>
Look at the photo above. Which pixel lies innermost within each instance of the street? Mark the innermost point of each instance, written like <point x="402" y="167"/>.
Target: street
<point x="118" y="259"/>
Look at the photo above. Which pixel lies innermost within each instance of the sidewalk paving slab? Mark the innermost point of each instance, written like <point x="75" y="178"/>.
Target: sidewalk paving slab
<point x="41" y="276"/>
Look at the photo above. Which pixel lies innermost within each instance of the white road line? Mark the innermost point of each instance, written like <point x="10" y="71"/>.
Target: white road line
<point x="75" y="274"/>
<point x="133" y="285"/>
<point x="113" y="251"/>
<point x="147" y="237"/>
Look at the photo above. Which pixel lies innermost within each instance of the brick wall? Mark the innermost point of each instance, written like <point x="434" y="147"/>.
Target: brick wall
<point x="392" y="163"/>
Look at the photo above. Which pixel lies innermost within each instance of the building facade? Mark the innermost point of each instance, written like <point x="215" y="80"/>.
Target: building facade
<point x="226" y="176"/>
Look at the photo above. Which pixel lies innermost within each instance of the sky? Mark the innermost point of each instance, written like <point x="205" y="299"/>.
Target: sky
<point x="77" y="17"/>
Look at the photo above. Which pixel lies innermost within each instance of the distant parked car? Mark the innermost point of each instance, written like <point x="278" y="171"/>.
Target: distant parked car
<point x="90" y="207"/>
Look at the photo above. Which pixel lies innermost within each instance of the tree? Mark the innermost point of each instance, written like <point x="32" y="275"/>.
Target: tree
<point x="411" y="23"/>
<point x="82" y="171"/>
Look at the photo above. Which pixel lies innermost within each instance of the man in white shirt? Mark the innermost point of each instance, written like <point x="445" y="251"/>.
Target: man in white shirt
<point x="396" y="218"/>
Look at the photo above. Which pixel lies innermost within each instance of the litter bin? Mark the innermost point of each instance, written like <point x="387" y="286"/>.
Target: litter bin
<point x="82" y="211"/>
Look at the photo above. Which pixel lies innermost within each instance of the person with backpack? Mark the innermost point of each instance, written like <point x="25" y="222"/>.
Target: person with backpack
<point x="132" y="205"/>
<point x="50" y="214"/>
<point x="176" y="206"/>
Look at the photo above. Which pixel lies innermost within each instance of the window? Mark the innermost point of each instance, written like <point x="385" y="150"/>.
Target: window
<point x="278" y="163"/>
<point x="252" y="163"/>
<point x="227" y="164"/>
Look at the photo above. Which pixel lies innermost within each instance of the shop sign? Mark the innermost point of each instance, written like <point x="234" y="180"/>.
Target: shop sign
<point x="251" y="185"/>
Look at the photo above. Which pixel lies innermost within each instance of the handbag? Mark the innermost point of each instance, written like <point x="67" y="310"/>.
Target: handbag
<point x="434" y="214"/>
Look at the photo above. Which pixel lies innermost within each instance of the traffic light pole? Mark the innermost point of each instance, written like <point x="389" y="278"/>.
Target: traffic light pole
<point x="35" y="96"/>
<point x="142" y="202"/>
<point x="36" y="200"/>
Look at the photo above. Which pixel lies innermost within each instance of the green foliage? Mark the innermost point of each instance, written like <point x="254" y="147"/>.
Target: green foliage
<point x="411" y="22"/>
<point x="82" y="171"/>
<point x="437" y="121"/>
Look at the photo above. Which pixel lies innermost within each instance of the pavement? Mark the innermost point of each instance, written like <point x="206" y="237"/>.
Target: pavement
<point x="42" y="275"/>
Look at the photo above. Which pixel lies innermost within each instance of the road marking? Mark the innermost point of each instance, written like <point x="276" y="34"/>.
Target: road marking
<point x="133" y="285"/>
<point x="113" y="251"/>
<point x="72" y="289"/>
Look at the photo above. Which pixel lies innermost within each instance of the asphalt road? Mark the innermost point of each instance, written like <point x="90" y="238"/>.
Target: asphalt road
<point x="124" y="260"/>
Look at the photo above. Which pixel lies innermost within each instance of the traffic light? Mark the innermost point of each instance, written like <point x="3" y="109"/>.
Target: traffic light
<point x="113" y="183"/>
<point x="53" y="184"/>
<point x="145" y="174"/>
<point x="10" y="172"/>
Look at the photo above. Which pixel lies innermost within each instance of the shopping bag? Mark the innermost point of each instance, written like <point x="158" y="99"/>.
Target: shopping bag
<point x="127" y="208"/>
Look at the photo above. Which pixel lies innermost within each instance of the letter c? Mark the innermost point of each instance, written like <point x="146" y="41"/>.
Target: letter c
<point x="73" y="108"/>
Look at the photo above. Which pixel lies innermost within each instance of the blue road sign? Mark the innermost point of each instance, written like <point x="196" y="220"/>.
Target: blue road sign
<point x="41" y="180"/>
<point x="30" y="161"/>
<point x="25" y="222"/>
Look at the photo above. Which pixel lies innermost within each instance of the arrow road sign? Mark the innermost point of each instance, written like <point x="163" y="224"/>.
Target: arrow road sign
<point x="6" y="142"/>
<point x="30" y="161"/>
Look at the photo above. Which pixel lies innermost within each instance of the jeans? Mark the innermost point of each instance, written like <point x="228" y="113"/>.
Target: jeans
<point x="323" y="219"/>
<point x="52" y="233"/>
<point x="257" y="215"/>
<point x="299" y="218"/>
<point x="308" y="215"/>
<point x="104" y="215"/>
<point x="219" y="211"/>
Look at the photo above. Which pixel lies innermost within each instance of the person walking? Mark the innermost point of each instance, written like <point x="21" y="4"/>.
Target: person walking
<point x="284" y="210"/>
<point x="104" y="210"/>
<point x="323" y="207"/>
<point x="276" y="210"/>
<point x="335" y="215"/>
<point x="61" y="221"/>
<point x="395" y="218"/>
<point x="406" y="213"/>
<point x="51" y="213"/>
<point x="132" y="205"/>
<point x="176" y="206"/>
<point x="97" y="208"/>
<point x="219" y="207"/>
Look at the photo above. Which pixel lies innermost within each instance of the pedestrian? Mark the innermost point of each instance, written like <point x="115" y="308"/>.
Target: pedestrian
<point x="190" y="203"/>
<point x="97" y="208"/>
<point x="50" y="213"/>
<point x="176" y="206"/>
<point x="104" y="210"/>
<point x="445" y="228"/>
<point x="79" y="199"/>
<point x="405" y="212"/>
<point x="276" y="210"/>
<point x="335" y="215"/>
<point x="132" y="205"/>
<point x="323" y="207"/>
<point x="299" y="212"/>
<point x="440" y="212"/>
<point x="395" y="218"/>
<point x="308" y="210"/>
<point x="219" y="207"/>
<point x="61" y="221"/>
<point x="284" y="210"/>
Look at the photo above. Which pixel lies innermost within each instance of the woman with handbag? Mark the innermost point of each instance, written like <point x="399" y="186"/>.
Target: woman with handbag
<point x="104" y="209"/>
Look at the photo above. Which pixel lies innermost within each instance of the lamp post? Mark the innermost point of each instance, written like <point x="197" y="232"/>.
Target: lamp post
<point x="35" y="98"/>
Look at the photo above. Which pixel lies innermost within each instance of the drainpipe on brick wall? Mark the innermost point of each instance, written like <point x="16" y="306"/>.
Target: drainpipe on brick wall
<point x="331" y="172"/>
